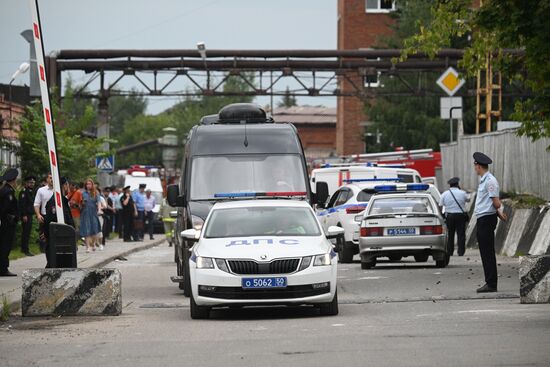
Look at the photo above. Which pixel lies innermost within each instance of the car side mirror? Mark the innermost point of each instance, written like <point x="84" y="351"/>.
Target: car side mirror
<point x="334" y="232"/>
<point x="191" y="234"/>
<point x="173" y="196"/>
<point x="321" y="193"/>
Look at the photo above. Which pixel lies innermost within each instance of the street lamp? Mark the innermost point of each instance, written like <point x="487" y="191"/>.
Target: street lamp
<point x="201" y="47"/>
<point x="21" y="70"/>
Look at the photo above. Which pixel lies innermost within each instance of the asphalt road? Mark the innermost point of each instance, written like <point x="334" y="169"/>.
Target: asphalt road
<point x="406" y="314"/>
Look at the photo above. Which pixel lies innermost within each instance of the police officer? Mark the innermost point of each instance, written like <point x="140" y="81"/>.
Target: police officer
<point x="488" y="208"/>
<point x="9" y="214"/>
<point x="454" y="202"/>
<point x="26" y="210"/>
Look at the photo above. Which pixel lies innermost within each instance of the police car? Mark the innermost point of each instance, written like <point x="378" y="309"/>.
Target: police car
<point x="345" y="209"/>
<point x="262" y="252"/>
<point x="403" y="220"/>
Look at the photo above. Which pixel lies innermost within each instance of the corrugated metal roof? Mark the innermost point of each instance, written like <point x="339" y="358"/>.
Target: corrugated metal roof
<point x="305" y="115"/>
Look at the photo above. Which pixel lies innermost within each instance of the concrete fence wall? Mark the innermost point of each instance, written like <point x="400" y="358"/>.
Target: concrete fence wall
<point x="519" y="164"/>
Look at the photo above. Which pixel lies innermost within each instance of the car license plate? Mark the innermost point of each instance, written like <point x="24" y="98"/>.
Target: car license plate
<point x="401" y="231"/>
<point x="262" y="283"/>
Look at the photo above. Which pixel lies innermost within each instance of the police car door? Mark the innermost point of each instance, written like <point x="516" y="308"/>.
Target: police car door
<point x="333" y="215"/>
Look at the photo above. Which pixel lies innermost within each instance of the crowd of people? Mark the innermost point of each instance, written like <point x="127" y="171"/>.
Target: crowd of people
<point x="94" y="212"/>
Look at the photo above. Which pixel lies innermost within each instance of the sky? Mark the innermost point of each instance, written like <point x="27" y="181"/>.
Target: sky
<point x="151" y="24"/>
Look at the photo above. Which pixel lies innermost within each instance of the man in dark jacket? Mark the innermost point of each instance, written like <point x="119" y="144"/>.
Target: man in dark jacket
<point x="9" y="215"/>
<point x="26" y="209"/>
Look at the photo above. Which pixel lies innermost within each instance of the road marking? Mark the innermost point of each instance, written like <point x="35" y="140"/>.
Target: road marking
<point x="371" y="278"/>
<point x="337" y="325"/>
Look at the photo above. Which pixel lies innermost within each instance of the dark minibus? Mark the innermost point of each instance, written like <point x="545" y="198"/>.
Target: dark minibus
<point x="240" y="149"/>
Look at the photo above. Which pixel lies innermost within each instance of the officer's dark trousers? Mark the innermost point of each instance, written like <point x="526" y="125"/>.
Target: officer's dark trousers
<point x="7" y="235"/>
<point x="149" y="220"/>
<point x="127" y="220"/>
<point x="26" y="234"/>
<point x="456" y="223"/>
<point x="486" y="240"/>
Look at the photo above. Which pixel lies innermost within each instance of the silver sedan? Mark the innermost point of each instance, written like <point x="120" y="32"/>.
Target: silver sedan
<point x="403" y="224"/>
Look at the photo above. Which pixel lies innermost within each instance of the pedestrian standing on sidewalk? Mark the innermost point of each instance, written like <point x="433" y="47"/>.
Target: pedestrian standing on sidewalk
<point x="149" y="205"/>
<point x="89" y="223"/>
<point x="108" y="212"/>
<point x="75" y="203"/>
<point x="115" y="199"/>
<point x="488" y="209"/>
<point x="129" y="212"/>
<point x="9" y="214"/>
<point x="139" y="199"/>
<point x="40" y="199"/>
<point x="51" y="215"/>
<point x="99" y="240"/>
<point x="454" y="202"/>
<point x="26" y="209"/>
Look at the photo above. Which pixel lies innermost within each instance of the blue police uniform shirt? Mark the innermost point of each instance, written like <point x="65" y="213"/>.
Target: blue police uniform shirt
<point x="139" y="200"/>
<point x="450" y="204"/>
<point x="487" y="189"/>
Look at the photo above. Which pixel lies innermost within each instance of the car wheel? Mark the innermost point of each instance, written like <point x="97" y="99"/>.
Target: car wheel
<point x="421" y="258"/>
<point x="368" y="264"/>
<point x="198" y="312"/>
<point x="395" y="257"/>
<point x="346" y="253"/>
<point x="331" y="308"/>
<point x="442" y="263"/>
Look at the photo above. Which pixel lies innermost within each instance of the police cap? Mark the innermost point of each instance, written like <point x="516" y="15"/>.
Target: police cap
<point x="30" y="178"/>
<point x="142" y="186"/>
<point x="10" y="175"/>
<point x="453" y="181"/>
<point x="126" y="188"/>
<point x="482" y="159"/>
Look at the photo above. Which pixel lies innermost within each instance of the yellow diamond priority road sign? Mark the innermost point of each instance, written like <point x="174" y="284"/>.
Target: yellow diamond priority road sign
<point x="450" y="82"/>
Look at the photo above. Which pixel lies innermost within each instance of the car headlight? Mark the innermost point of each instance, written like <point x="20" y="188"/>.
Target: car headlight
<point x="197" y="222"/>
<point x="204" y="262"/>
<point x="322" y="260"/>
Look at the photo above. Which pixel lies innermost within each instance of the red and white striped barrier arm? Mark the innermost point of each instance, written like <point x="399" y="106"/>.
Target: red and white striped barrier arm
<point x="48" y="115"/>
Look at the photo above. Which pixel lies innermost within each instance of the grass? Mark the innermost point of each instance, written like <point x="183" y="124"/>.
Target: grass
<point x="524" y="201"/>
<point x="5" y="311"/>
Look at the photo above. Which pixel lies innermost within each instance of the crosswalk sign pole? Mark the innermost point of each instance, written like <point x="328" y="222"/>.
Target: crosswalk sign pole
<point x="46" y="108"/>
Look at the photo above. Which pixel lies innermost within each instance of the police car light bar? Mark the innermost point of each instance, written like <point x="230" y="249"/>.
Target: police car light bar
<point x="372" y="179"/>
<point x="395" y="188"/>
<point x="259" y="194"/>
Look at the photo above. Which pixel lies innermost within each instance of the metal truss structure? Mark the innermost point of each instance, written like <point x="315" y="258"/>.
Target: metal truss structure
<point x="314" y="72"/>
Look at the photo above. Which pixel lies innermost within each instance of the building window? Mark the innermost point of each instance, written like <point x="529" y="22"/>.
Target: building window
<point x="380" y="6"/>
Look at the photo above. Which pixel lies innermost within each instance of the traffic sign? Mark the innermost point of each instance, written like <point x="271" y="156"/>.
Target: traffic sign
<point x="450" y="81"/>
<point x="451" y="102"/>
<point x="105" y="164"/>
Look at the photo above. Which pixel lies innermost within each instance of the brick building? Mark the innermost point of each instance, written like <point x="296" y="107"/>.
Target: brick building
<point x="360" y="23"/>
<point x="10" y="113"/>
<point x="316" y="128"/>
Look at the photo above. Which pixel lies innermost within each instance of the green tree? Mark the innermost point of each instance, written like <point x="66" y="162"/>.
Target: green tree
<point x="287" y="100"/>
<point x="75" y="152"/>
<point x="408" y="121"/>
<point x="497" y="25"/>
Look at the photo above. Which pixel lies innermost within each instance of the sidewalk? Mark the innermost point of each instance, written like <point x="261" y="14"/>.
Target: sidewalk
<point x="11" y="286"/>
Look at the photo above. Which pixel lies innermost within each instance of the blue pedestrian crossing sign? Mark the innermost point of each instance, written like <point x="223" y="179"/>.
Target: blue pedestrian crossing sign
<point x="105" y="164"/>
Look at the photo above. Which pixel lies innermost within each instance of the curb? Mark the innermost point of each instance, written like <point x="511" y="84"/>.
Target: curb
<point x="15" y="306"/>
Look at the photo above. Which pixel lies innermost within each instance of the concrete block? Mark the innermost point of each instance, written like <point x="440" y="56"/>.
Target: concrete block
<point x="517" y="223"/>
<point x="541" y="243"/>
<point x="71" y="292"/>
<point x="534" y="279"/>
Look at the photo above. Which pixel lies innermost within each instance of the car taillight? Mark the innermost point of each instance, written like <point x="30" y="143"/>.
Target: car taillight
<point x="427" y="230"/>
<point x="371" y="231"/>
<point x="354" y="209"/>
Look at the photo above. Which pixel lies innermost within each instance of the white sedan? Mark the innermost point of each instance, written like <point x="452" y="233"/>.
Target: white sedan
<point x="345" y="209"/>
<point x="262" y="252"/>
